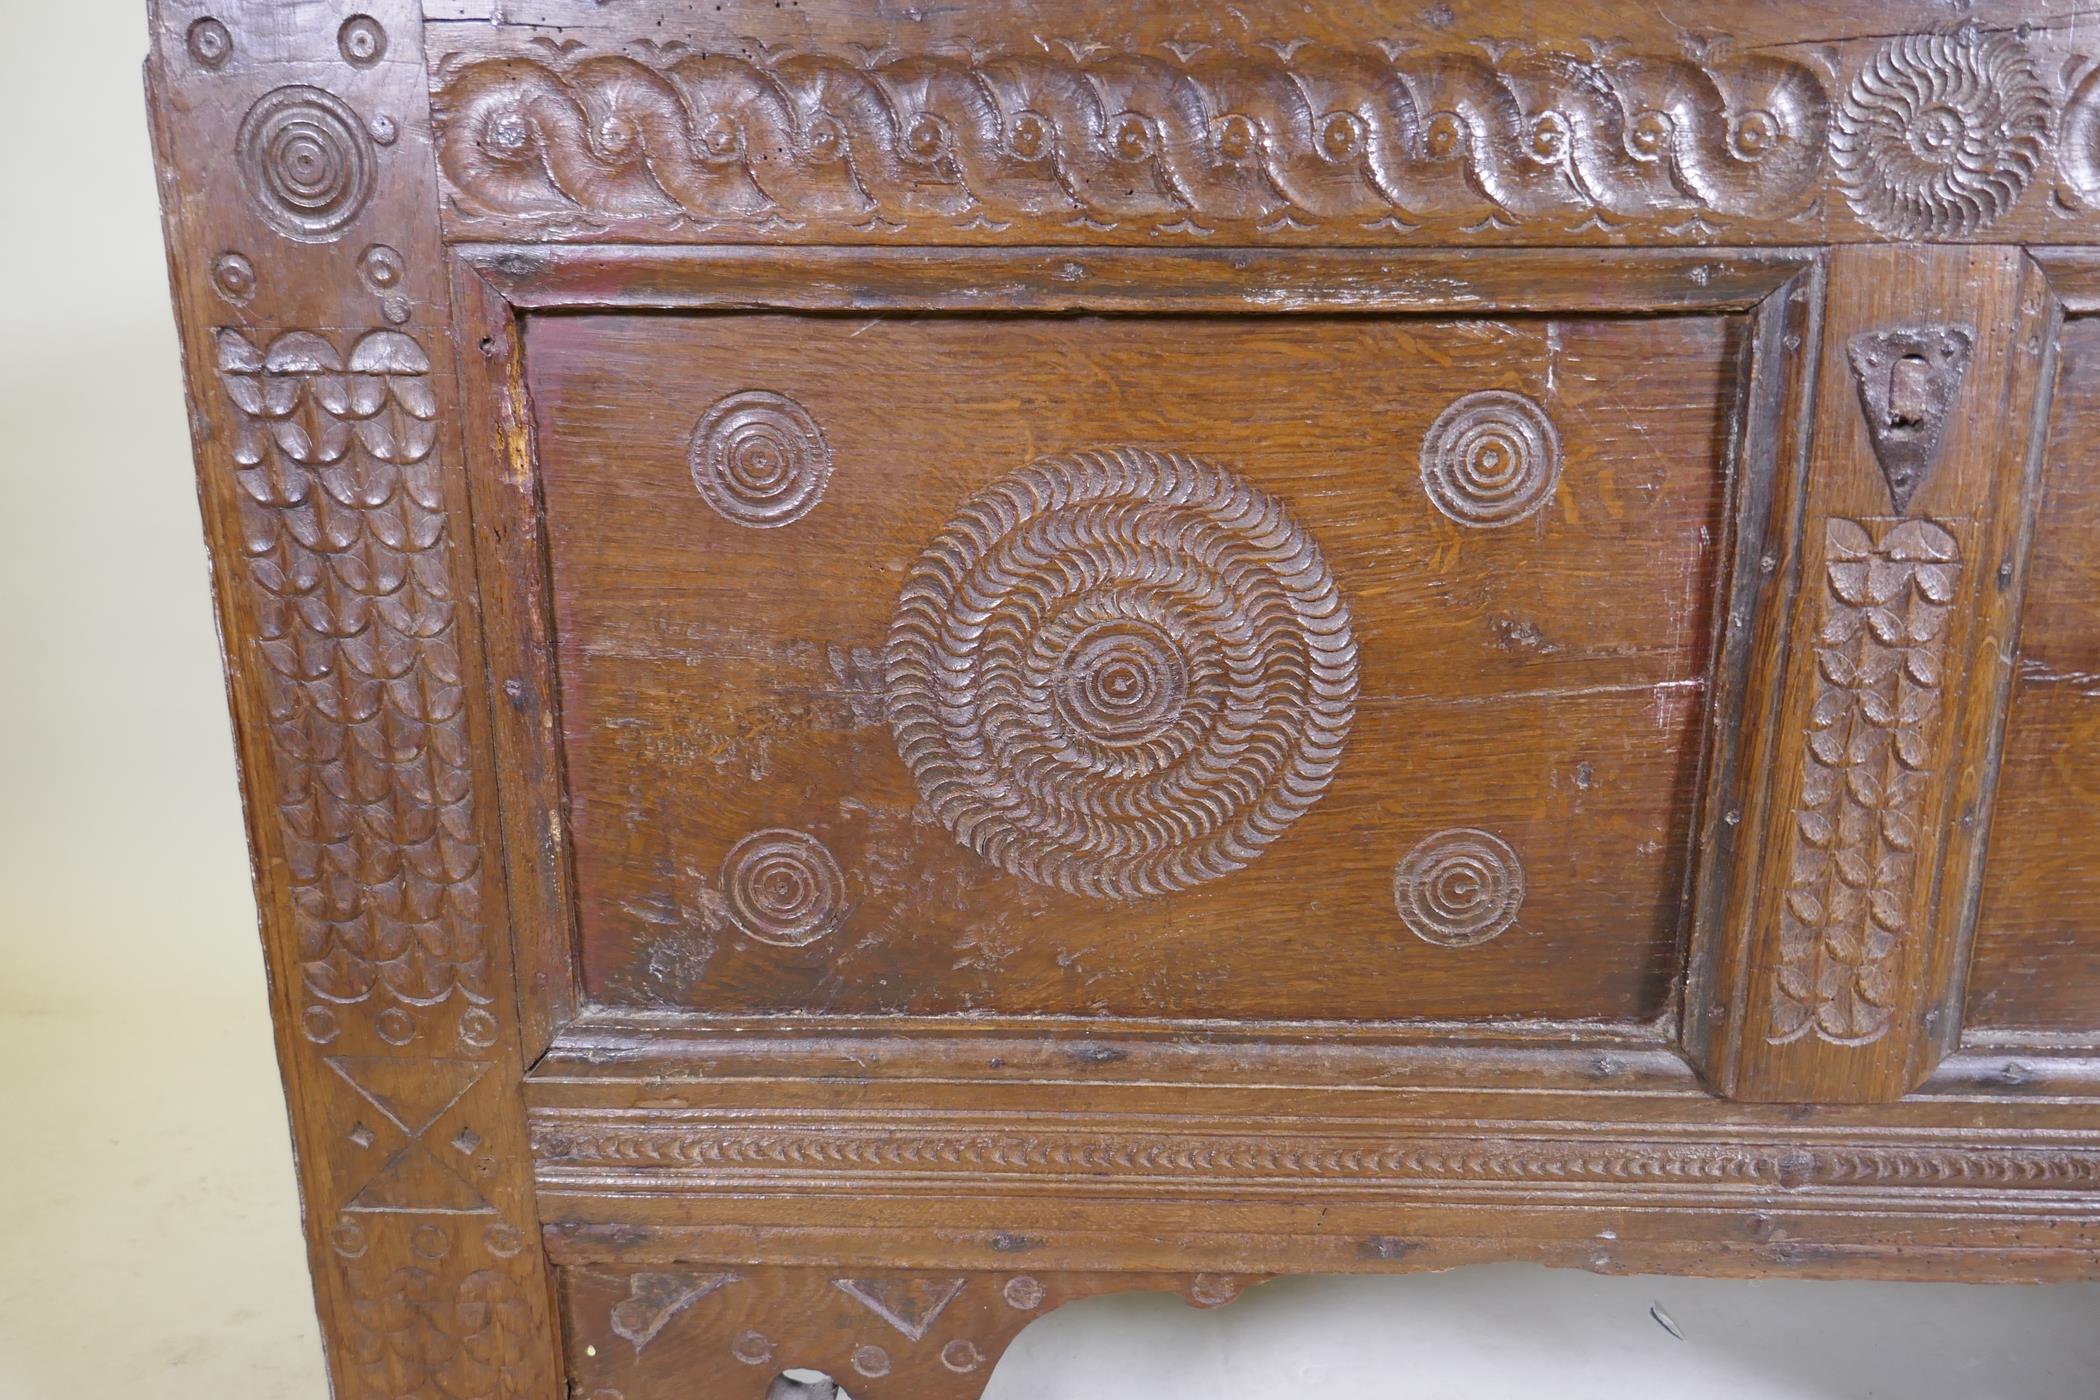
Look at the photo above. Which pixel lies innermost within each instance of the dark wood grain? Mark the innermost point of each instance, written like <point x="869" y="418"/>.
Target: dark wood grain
<point x="2037" y="958"/>
<point x="1542" y="681"/>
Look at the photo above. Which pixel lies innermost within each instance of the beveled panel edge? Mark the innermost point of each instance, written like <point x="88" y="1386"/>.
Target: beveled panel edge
<point x="1155" y="281"/>
<point x="1549" y="1062"/>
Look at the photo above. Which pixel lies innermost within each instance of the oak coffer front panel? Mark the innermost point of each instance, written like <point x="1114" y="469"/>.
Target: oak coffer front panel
<point x="898" y="665"/>
<point x="1222" y="667"/>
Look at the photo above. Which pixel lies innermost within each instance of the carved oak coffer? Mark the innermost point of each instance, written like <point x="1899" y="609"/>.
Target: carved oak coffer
<point x="898" y="665"/>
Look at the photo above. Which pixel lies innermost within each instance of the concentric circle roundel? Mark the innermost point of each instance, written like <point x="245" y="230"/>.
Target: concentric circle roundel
<point x="1121" y="672"/>
<point x="1491" y="458"/>
<point x="1459" y="887"/>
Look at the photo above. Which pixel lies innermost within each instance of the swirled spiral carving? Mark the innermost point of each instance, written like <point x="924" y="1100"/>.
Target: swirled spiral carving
<point x="1491" y="458"/>
<point x="1941" y="133"/>
<point x="1165" y="145"/>
<point x="1459" y="887"/>
<point x="1121" y="672"/>
<point x="759" y="459"/>
<point x="783" y="887"/>
<point x="307" y="162"/>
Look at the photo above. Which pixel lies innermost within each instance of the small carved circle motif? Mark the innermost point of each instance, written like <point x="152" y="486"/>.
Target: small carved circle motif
<point x="348" y="1238"/>
<point x="307" y="161"/>
<point x="1121" y="672"/>
<point x="210" y="43"/>
<point x="233" y="277"/>
<point x="1023" y="1292"/>
<point x="961" y="1356"/>
<point x="871" y="1361"/>
<point x="783" y="887"/>
<point x="477" y="1028"/>
<point x="752" y="1347"/>
<point x="1491" y="458"/>
<point x="759" y="459"/>
<point x="1939" y="134"/>
<point x="431" y="1242"/>
<point x="503" y="1241"/>
<point x="319" y="1024"/>
<point x="396" y="1027"/>
<point x="361" y="40"/>
<point x="1459" y="887"/>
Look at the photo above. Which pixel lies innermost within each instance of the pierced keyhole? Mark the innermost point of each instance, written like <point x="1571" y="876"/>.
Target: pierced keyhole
<point x="1910" y="390"/>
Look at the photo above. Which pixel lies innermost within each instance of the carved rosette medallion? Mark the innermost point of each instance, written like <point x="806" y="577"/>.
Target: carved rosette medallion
<point x="1889" y="595"/>
<point x="1121" y="672"/>
<point x="1459" y="887"/>
<point x="1940" y="134"/>
<point x="307" y="162"/>
<point x="1491" y="458"/>
<point x="783" y="887"/>
<point x="759" y="459"/>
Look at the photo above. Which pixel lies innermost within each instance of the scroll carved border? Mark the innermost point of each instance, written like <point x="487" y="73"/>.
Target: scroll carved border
<point x="1954" y="132"/>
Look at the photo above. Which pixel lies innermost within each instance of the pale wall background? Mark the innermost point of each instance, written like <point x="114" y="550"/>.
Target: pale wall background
<point x="149" y="1240"/>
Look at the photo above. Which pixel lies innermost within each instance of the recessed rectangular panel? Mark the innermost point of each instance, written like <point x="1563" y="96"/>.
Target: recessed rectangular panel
<point x="2037" y="957"/>
<point x="1263" y="667"/>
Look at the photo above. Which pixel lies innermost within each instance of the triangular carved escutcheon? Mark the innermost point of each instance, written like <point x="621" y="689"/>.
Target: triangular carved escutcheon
<point x="654" y="1298"/>
<point x="1908" y="381"/>
<point x="910" y="1305"/>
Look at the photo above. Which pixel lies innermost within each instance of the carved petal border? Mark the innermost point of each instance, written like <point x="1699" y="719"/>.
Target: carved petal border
<point x="304" y="255"/>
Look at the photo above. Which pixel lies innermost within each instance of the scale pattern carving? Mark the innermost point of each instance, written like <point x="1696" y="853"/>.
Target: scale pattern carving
<point x="347" y="556"/>
<point x="1869" y="760"/>
<point x="652" y="1156"/>
<point x="1121" y="672"/>
<point x="1178" y="144"/>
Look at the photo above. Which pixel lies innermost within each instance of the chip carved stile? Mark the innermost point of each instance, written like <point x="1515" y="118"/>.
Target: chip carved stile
<point x="1122" y="672"/>
<point x="310" y="280"/>
<point x="1868" y="767"/>
<point x="1179" y="143"/>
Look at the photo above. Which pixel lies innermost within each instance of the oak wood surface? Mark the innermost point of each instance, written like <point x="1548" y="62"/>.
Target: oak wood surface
<point x="880" y="652"/>
<point x="1542" y="682"/>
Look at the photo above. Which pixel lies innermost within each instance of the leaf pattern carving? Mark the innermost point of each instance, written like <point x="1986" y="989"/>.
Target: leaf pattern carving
<point x="1868" y="765"/>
